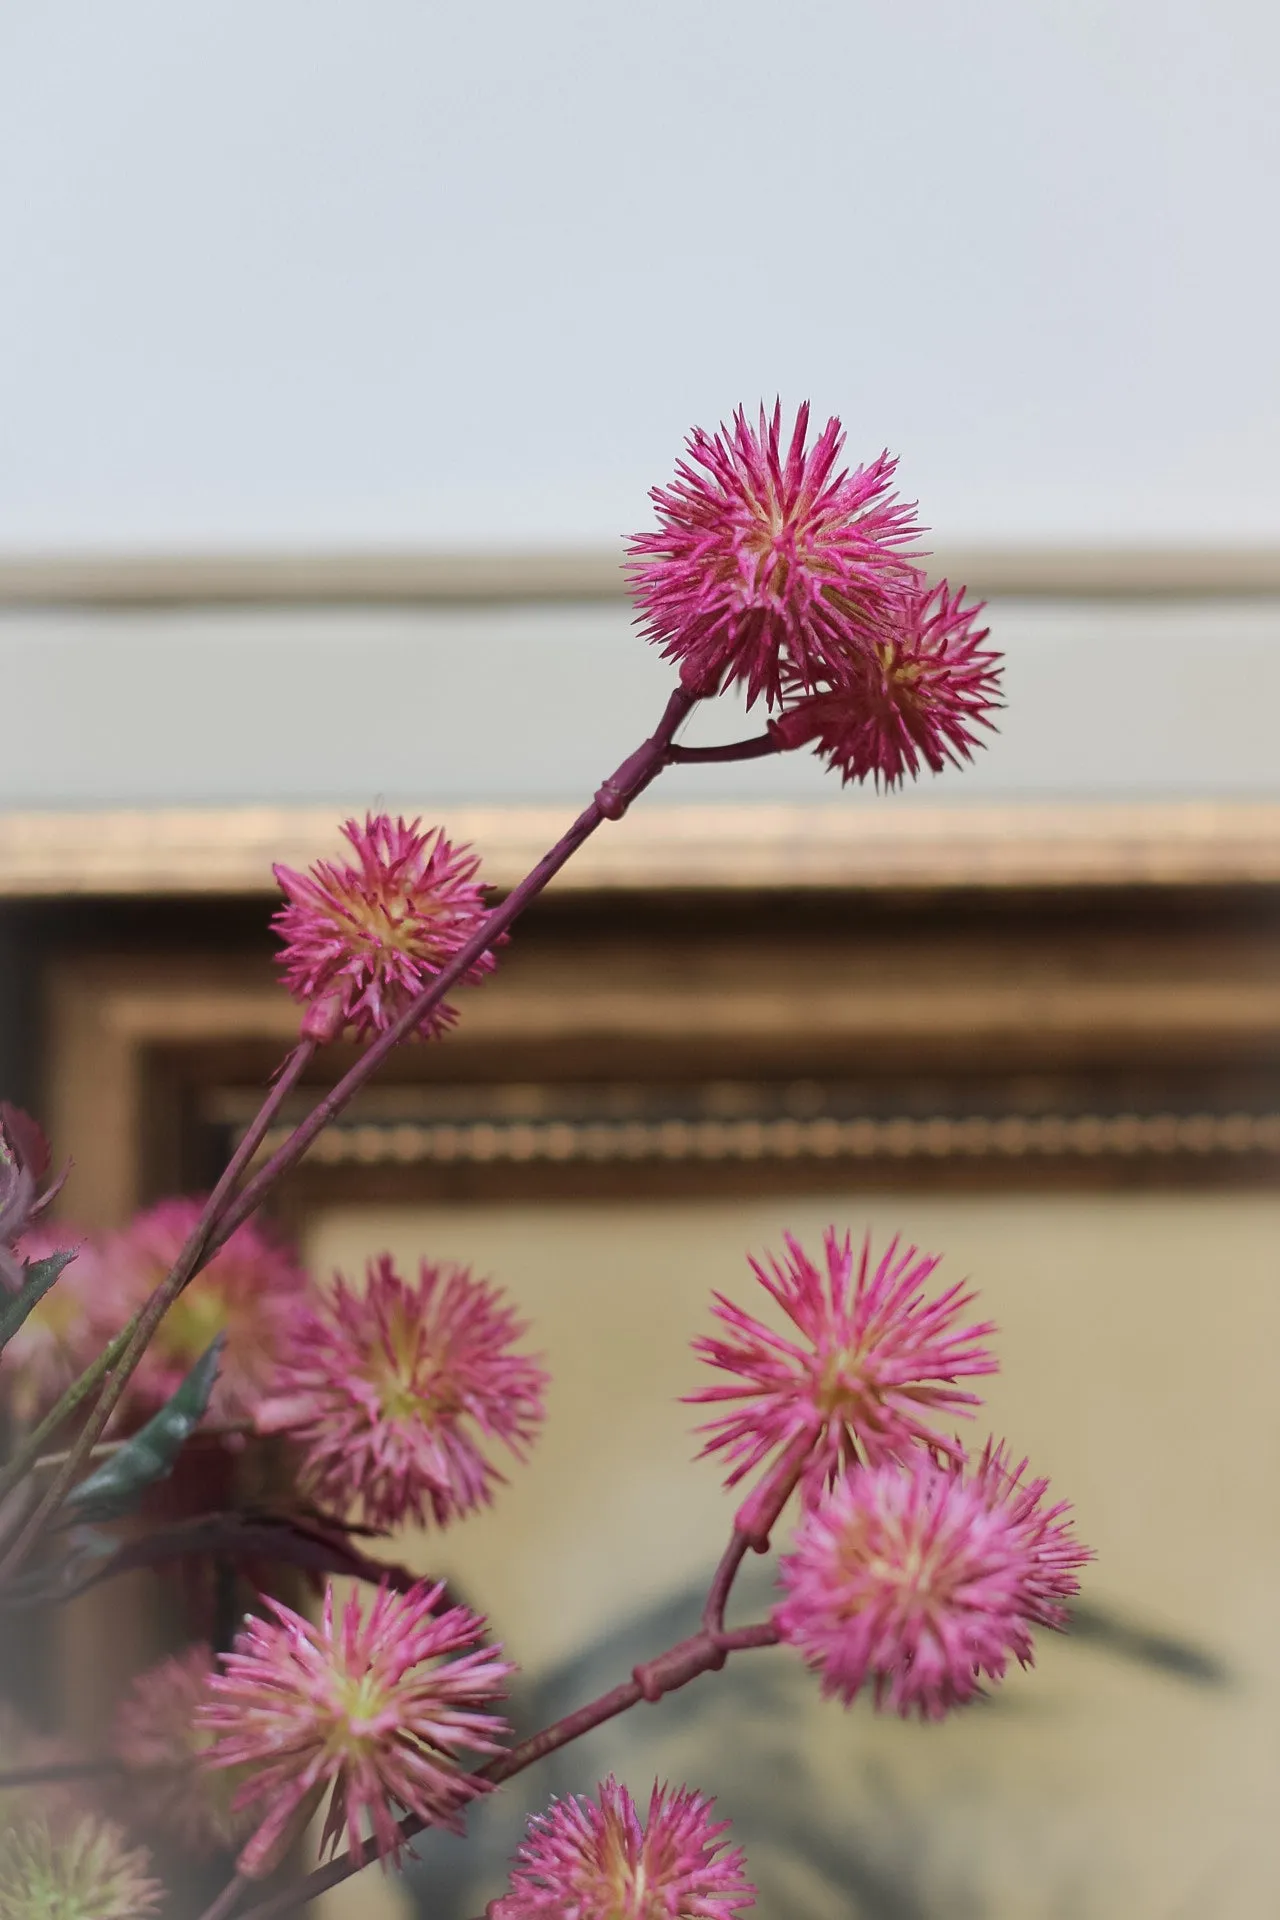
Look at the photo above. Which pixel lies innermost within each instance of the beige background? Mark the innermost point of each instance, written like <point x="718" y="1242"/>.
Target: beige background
<point x="1138" y="1337"/>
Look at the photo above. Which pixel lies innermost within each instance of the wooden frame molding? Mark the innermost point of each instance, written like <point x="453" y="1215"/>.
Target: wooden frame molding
<point x="406" y="578"/>
<point x="193" y="851"/>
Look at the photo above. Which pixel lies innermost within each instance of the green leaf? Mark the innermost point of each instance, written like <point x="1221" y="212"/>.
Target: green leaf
<point x="150" y="1455"/>
<point x="40" y="1276"/>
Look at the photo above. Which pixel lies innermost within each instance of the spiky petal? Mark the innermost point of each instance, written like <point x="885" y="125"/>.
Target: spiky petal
<point x="769" y="560"/>
<point x="391" y="1389"/>
<point x="75" y="1868"/>
<point x="917" y="692"/>
<point x="370" y="1707"/>
<point x="597" y="1860"/>
<point x="362" y="940"/>
<point x="162" y="1745"/>
<point x="253" y="1290"/>
<point x="875" y="1353"/>
<point x="919" y="1580"/>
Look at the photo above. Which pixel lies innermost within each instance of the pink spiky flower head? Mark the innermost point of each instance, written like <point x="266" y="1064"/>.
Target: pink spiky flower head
<point x="253" y="1290"/>
<point x="370" y="1707"/>
<point x="362" y="940"/>
<point x="769" y="561"/>
<point x="917" y="692"/>
<point x="917" y="1580"/>
<point x="597" y="1860"/>
<point x="875" y="1353"/>
<point x="390" y="1391"/>
<point x="162" y="1746"/>
<point x="60" y="1336"/>
<point x="78" y="1867"/>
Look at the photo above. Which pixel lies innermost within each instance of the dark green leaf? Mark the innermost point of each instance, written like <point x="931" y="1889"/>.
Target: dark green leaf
<point x="40" y="1276"/>
<point x="150" y="1455"/>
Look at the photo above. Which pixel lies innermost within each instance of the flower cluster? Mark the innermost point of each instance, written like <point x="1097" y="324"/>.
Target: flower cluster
<point x="777" y="570"/>
<point x="363" y="940"/>
<point x="370" y="1708"/>
<point x="388" y="1390"/>
<point x="588" y="1859"/>
<point x="914" y="1573"/>
<point x="917" y="1573"/>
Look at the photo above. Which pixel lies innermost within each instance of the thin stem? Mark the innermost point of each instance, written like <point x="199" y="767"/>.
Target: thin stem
<point x="228" y="1900"/>
<point x="216" y="1430"/>
<point x="286" y="1079"/>
<point x="28" y="1453"/>
<point x="710" y="1657"/>
<point x="726" y="1573"/>
<point x="610" y="803"/>
<point x="757" y="748"/>
<point x="704" y="1652"/>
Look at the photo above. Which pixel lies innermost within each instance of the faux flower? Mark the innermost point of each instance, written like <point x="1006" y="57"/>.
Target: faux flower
<point x="769" y="561"/>
<point x="253" y="1290"/>
<point x="370" y="1708"/>
<point x="61" y="1334"/>
<point x="162" y="1745"/>
<point x="79" y="1868"/>
<point x="917" y="692"/>
<point x="919" y="1580"/>
<point x="875" y="1354"/>
<point x="390" y="1391"/>
<point x="362" y="940"/>
<point x="597" y="1860"/>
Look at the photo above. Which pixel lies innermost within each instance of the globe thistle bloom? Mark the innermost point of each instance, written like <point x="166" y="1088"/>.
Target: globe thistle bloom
<point x="79" y="1868"/>
<point x="874" y="1354"/>
<point x="596" y="1860"/>
<point x="390" y="1390"/>
<point x="61" y="1334"/>
<point x="362" y="940"/>
<point x="917" y="692"/>
<point x="917" y="1580"/>
<point x="253" y="1290"/>
<point x="370" y="1708"/>
<point x="768" y="560"/>
<point x="162" y="1744"/>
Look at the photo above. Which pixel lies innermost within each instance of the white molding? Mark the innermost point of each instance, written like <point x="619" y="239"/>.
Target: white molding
<point x="405" y="578"/>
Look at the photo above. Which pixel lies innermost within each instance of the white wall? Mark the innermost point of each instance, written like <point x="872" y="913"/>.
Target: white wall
<point x="405" y="272"/>
<point x="427" y="707"/>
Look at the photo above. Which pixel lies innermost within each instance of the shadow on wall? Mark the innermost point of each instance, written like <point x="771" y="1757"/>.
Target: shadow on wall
<point x="844" y="1816"/>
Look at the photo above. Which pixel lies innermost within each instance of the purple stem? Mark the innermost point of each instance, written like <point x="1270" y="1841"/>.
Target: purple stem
<point x="726" y="1573"/>
<point x="201" y="1243"/>
<point x="754" y="749"/>
<point x="228" y="1900"/>
<point x="611" y="801"/>
<point x="704" y="1652"/>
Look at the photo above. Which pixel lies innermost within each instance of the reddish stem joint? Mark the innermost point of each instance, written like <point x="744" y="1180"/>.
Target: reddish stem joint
<point x="701" y="1653"/>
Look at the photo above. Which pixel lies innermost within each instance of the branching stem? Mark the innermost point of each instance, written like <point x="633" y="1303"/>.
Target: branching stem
<point x="226" y="1209"/>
